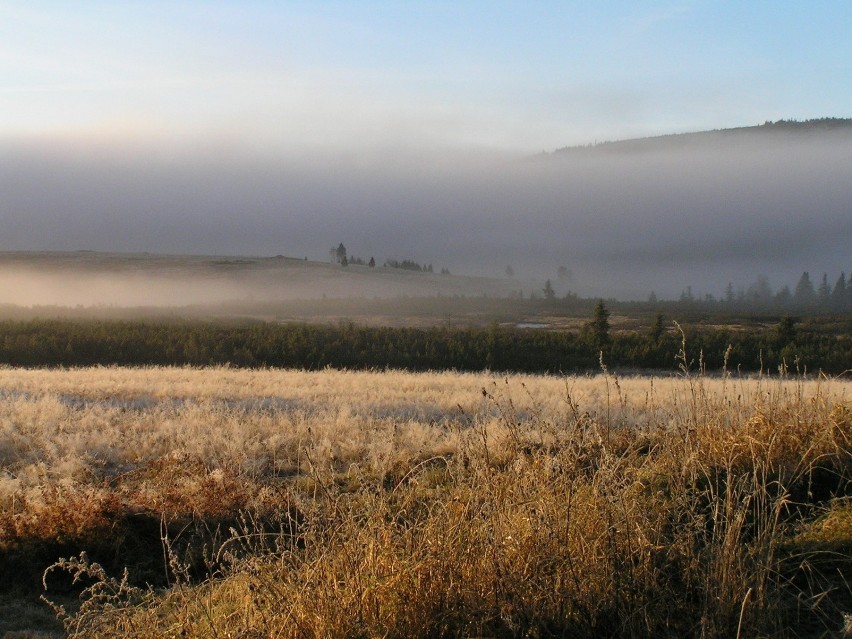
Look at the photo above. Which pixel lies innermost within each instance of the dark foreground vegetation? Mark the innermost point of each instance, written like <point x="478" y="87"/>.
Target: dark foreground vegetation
<point x="809" y="346"/>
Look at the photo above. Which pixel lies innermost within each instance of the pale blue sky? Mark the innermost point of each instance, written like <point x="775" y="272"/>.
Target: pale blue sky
<point x="331" y="76"/>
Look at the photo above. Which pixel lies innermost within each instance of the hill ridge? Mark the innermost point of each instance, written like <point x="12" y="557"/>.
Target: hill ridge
<point x="675" y="139"/>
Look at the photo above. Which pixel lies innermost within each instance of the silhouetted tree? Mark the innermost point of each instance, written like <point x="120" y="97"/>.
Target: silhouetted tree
<point x="838" y="295"/>
<point x="785" y="331"/>
<point x="824" y="290"/>
<point x="548" y="291"/>
<point x="657" y="329"/>
<point x="344" y="261"/>
<point x="340" y="252"/>
<point x="372" y="263"/>
<point x="804" y="290"/>
<point x="597" y="331"/>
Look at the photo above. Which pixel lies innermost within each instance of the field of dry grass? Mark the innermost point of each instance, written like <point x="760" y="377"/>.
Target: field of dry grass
<point x="266" y="503"/>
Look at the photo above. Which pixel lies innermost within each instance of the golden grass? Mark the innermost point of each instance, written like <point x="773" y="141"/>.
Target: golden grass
<point x="386" y="504"/>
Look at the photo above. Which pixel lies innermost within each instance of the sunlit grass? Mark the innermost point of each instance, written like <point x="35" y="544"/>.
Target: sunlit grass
<point x="371" y="504"/>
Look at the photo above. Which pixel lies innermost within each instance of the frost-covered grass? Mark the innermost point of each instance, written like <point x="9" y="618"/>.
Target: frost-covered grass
<point x="306" y="504"/>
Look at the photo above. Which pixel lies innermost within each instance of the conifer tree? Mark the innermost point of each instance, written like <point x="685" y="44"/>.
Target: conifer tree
<point x="804" y="290"/>
<point x="657" y="329"/>
<point x="785" y="331"/>
<point x="838" y="295"/>
<point x="824" y="290"/>
<point x="597" y="331"/>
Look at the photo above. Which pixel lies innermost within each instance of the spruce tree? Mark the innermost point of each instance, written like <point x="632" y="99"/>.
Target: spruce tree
<point x="838" y="295"/>
<point x="657" y="329"/>
<point x="597" y="331"/>
<point x="804" y="290"/>
<point x="824" y="290"/>
<point x="785" y="331"/>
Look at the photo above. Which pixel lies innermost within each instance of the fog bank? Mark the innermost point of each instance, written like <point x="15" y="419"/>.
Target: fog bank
<point x="624" y="221"/>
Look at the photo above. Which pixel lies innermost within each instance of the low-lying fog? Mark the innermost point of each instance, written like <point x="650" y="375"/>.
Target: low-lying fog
<point x="625" y="220"/>
<point x="121" y="280"/>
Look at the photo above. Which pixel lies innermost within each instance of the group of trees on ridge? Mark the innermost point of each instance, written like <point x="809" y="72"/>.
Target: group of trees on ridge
<point x="340" y="256"/>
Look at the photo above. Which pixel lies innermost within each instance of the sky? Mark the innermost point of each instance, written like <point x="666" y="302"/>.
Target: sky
<point x="267" y="127"/>
<point x="517" y="76"/>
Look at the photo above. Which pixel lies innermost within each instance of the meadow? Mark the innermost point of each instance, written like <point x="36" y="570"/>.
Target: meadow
<point x="222" y="502"/>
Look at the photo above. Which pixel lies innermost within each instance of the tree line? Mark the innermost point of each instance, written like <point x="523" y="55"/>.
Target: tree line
<point x="828" y="295"/>
<point x="312" y="347"/>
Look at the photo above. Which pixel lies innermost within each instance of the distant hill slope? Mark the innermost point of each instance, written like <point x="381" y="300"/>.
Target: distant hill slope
<point x="782" y="130"/>
<point x="90" y="278"/>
